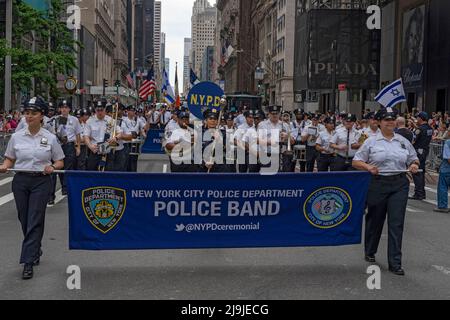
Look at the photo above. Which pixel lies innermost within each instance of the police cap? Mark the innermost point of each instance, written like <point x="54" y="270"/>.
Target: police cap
<point x="424" y="116"/>
<point x="250" y="114"/>
<point x="349" y="117"/>
<point x="184" y="115"/>
<point x="65" y="103"/>
<point x="36" y="104"/>
<point x="386" y="114"/>
<point x="275" y="109"/>
<point x="212" y="114"/>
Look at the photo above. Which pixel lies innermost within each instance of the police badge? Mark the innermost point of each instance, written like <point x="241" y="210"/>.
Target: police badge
<point x="104" y="207"/>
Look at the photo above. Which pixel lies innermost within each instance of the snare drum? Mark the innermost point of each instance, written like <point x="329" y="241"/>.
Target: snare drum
<point x="300" y="153"/>
<point x="136" y="147"/>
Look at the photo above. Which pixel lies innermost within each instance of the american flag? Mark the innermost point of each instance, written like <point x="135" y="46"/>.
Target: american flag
<point x="148" y="87"/>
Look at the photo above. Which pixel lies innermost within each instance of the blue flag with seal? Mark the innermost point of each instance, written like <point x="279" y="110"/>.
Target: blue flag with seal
<point x="204" y="96"/>
<point x="184" y="211"/>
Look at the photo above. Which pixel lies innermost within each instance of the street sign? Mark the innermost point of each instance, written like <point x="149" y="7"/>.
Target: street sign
<point x="203" y="96"/>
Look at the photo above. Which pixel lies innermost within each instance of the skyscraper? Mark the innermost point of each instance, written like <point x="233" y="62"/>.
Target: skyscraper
<point x="186" y="64"/>
<point x="143" y="33"/>
<point x="157" y="39"/>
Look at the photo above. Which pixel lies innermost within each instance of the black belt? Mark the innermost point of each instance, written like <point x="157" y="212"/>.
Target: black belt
<point x="327" y="155"/>
<point x="32" y="174"/>
<point x="390" y="178"/>
<point x="349" y="158"/>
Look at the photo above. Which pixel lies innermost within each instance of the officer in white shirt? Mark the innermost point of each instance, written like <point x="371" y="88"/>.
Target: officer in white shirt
<point x="327" y="155"/>
<point x="68" y="131"/>
<point x="38" y="152"/>
<point x="346" y="144"/>
<point x="243" y="139"/>
<point x="153" y="118"/>
<point x="132" y="126"/>
<point x="99" y="139"/>
<point x="165" y="116"/>
<point x="180" y="146"/>
<point x="385" y="156"/>
<point x="309" y="136"/>
<point x="83" y="116"/>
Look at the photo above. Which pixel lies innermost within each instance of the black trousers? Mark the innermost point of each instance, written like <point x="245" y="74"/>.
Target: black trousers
<point x="419" y="178"/>
<point x="94" y="161"/>
<point x="388" y="196"/>
<point x="31" y="194"/>
<point x="247" y="167"/>
<point x="132" y="163"/>
<point x="120" y="159"/>
<point x="325" y="162"/>
<point x="82" y="158"/>
<point x="311" y="156"/>
<point x="70" y="163"/>
<point x="342" y="164"/>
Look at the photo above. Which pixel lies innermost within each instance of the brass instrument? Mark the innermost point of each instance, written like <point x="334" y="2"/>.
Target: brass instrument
<point x="363" y="138"/>
<point x="223" y="105"/>
<point x="105" y="148"/>
<point x="288" y="152"/>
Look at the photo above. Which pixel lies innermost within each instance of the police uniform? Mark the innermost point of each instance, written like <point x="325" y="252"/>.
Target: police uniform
<point x="230" y="147"/>
<point x="424" y="136"/>
<point x="98" y="132"/>
<point x="180" y="141"/>
<point x="271" y="133"/>
<point x="310" y="135"/>
<point x="213" y="147"/>
<point x="135" y="128"/>
<point x="154" y="119"/>
<point x="388" y="192"/>
<point x="31" y="191"/>
<point x="344" y="137"/>
<point x="326" y="157"/>
<point x="247" y="139"/>
<point x="82" y="158"/>
<point x="165" y="117"/>
<point x="297" y="127"/>
<point x="68" y="131"/>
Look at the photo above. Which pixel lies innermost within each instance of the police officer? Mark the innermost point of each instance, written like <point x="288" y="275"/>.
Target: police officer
<point x="383" y="156"/>
<point x="424" y="135"/>
<point x="243" y="139"/>
<point x="83" y="116"/>
<point x="346" y="144"/>
<point x="68" y="131"/>
<point x="230" y="145"/>
<point x="99" y="136"/>
<point x="132" y="126"/>
<point x="180" y="145"/>
<point x="273" y="133"/>
<point x="309" y="136"/>
<point x="327" y="154"/>
<point x="213" y="144"/>
<point x="298" y="126"/>
<point x="37" y="150"/>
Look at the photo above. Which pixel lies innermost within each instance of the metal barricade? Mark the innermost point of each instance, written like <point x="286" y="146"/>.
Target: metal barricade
<point x="4" y="139"/>
<point x="434" y="160"/>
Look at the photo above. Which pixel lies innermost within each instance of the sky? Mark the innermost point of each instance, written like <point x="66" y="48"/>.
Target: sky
<point x="176" y="24"/>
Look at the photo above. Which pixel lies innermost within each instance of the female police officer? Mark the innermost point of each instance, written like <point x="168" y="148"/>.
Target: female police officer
<point x="33" y="150"/>
<point x="384" y="156"/>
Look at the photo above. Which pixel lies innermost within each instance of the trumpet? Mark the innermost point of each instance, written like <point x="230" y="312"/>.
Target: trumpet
<point x="288" y="151"/>
<point x="363" y="138"/>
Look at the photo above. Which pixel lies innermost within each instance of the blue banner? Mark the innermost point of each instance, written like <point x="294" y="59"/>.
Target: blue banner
<point x="185" y="211"/>
<point x="203" y="96"/>
<point x="153" y="143"/>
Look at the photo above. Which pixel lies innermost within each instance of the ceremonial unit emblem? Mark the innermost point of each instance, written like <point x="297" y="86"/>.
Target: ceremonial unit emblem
<point x="104" y="207"/>
<point x="328" y="207"/>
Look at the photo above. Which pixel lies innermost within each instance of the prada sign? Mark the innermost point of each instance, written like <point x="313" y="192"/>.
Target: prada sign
<point x="358" y="69"/>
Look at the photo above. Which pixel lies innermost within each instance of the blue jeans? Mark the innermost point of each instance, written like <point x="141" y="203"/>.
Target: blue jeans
<point x="444" y="184"/>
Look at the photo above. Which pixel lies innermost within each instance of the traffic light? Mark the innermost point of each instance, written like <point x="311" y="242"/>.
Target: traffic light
<point x="117" y="83"/>
<point x="105" y="83"/>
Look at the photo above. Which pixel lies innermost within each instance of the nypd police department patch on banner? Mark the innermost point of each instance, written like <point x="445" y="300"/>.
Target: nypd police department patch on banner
<point x="104" y="207"/>
<point x="328" y="207"/>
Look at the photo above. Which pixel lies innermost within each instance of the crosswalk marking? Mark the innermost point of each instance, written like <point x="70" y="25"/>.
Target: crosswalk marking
<point x="5" y="181"/>
<point x="59" y="197"/>
<point x="5" y="199"/>
<point x="409" y="209"/>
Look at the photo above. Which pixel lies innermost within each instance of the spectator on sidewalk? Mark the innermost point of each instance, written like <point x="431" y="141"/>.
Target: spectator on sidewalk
<point x="444" y="181"/>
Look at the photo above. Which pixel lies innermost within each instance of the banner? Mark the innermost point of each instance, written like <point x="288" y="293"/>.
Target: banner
<point x="153" y="144"/>
<point x="185" y="211"/>
<point x="203" y="96"/>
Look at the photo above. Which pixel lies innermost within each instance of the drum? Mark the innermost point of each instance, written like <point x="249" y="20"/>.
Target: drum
<point x="300" y="153"/>
<point x="136" y="147"/>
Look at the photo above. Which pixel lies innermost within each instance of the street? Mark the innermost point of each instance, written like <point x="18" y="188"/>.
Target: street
<point x="259" y="274"/>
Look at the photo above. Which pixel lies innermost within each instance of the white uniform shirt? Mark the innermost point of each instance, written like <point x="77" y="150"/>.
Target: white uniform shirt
<point x="154" y="118"/>
<point x="297" y="129"/>
<point x="34" y="152"/>
<point x="182" y="139"/>
<point x="96" y="129"/>
<point x="324" y="141"/>
<point x="240" y="120"/>
<point x="387" y="155"/>
<point x="72" y="128"/>
<point x="313" y="133"/>
<point x="340" y="139"/>
<point x="370" y="133"/>
<point x="165" y="118"/>
<point x="270" y="131"/>
<point x="24" y="125"/>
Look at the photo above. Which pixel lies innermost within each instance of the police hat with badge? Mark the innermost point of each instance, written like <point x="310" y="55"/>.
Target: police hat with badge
<point x="184" y="115"/>
<point x="275" y="109"/>
<point x="250" y="114"/>
<point x="349" y="117"/>
<point x="64" y="104"/>
<point x="101" y="104"/>
<point x="423" y="115"/>
<point x="131" y="108"/>
<point x="386" y="114"/>
<point x="229" y="117"/>
<point x="212" y="114"/>
<point x="83" y="112"/>
<point x="36" y="104"/>
<point x="369" y="116"/>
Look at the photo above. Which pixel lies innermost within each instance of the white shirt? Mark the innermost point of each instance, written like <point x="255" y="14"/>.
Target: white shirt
<point x="240" y="120"/>
<point x="24" y="125"/>
<point x="340" y="139"/>
<point x="267" y="130"/>
<point x="182" y="139"/>
<point x="165" y="117"/>
<point x="71" y="129"/>
<point x="96" y="129"/>
<point x="313" y="133"/>
<point x="324" y="141"/>
<point x="386" y="155"/>
<point x="34" y="152"/>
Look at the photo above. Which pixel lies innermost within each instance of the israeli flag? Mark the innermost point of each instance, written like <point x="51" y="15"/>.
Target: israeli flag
<point x="193" y="78"/>
<point x="392" y="95"/>
<point x="167" y="89"/>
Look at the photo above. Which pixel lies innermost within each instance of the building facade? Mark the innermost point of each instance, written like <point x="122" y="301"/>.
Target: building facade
<point x="186" y="64"/>
<point x="121" y="66"/>
<point x="158" y="63"/>
<point x="143" y="34"/>
<point x="203" y="31"/>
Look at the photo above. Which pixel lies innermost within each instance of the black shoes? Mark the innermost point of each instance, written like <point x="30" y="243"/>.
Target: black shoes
<point x="371" y="259"/>
<point x="397" y="271"/>
<point x="64" y="192"/>
<point x="27" y="272"/>
<point x="51" y="203"/>
<point x="417" y="198"/>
